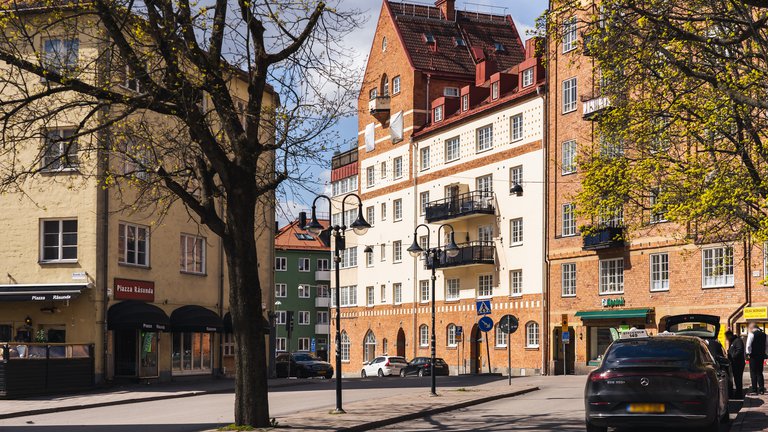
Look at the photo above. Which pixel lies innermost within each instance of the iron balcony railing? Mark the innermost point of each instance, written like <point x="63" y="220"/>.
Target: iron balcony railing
<point x="476" y="202"/>
<point x="604" y="238"/>
<point x="470" y="253"/>
<point x="342" y="159"/>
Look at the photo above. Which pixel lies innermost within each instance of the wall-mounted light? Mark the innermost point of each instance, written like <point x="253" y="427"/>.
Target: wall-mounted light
<point x="28" y="321"/>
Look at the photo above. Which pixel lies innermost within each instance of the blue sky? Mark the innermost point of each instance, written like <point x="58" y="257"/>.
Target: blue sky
<point x="523" y="12"/>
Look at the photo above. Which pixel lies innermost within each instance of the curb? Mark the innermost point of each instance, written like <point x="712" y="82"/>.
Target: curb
<point x="433" y="411"/>
<point x="738" y="423"/>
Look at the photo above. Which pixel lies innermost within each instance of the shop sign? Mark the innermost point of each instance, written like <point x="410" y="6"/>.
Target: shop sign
<point x="612" y="302"/>
<point x="129" y="289"/>
<point x="752" y="313"/>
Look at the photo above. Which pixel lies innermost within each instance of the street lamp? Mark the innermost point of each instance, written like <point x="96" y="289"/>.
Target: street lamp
<point x="451" y="250"/>
<point x="360" y="227"/>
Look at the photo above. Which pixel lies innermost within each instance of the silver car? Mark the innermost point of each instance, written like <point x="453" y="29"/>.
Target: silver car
<point x="383" y="366"/>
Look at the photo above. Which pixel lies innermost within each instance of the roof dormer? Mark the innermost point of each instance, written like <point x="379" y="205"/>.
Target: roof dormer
<point x="444" y="107"/>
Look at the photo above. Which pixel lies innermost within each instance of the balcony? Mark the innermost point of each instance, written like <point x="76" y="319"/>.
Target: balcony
<point x="322" y="302"/>
<point x="343" y="159"/>
<point x="461" y="206"/>
<point x="323" y="275"/>
<point x="470" y="254"/>
<point x="604" y="238"/>
<point x="593" y="105"/>
<point x="379" y="104"/>
<point x="321" y="329"/>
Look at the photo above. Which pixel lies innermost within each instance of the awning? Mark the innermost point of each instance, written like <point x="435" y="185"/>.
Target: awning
<point x="614" y="314"/>
<point x="228" y="324"/>
<point x="136" y="315"/>
<point x="41" y="292"/>
<point x="193" y="318"/>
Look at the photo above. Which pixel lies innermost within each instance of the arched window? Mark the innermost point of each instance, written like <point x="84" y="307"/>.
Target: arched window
<point x="501" y="337"/>
<point x="451" y="336"/>
<point x="344" y="346"/>
<point x="369" y="346"/>
<point x="384" y="44"/>
<point x="384" y="346"/>
<point x="424" y="335"/>
<point x="532" y="335"/>
<point x="384" y="85"/>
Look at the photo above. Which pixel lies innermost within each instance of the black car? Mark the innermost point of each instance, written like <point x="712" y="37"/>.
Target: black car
<point x="302" y="365"/>
<point x="653" y="382"/>
<point x="420" y="366"/>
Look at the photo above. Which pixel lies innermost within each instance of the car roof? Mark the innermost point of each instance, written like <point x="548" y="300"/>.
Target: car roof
<point x="669" y="337"/>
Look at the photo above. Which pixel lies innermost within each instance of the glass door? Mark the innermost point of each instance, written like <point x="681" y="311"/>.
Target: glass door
<point x="125" y="352"/>
<point x="148" y="354"/>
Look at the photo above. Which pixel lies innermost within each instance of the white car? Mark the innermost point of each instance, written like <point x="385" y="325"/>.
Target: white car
<point x="383" y="366"/>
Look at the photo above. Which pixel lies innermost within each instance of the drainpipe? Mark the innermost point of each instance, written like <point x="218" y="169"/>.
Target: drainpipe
<point x="415" y="284"/>
<point x="103" y="218"/>
<point x="546" y="287"/>
<point x="747" y="244"/>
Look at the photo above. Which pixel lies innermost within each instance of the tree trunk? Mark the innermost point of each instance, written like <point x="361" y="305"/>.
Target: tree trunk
<point x="245" y="305"/>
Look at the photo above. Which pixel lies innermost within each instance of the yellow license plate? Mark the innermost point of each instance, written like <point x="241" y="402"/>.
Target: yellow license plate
<point x="646" y="408"/>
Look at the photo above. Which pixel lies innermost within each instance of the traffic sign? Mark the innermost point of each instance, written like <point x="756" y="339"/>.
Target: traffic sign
<point x="313" y="345"/>
<point x="485" y="324"/>
<point x="483" y="307"/>
<point x="459" y="330"/>
<point x="508" y="323"/>
<point x="566" y="337"/>
<point x="564" y="322"/>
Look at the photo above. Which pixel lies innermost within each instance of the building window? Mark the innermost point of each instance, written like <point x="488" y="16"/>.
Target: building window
<point x="424" y="153"/>
<point x="303" y="344"/>
<point x="304" y="291"/>
<point x="369" y="296"/>
<point x="532" y="335"/>
<point x="383" y="170"/>
<point x="484" y="138"/>
<point x="465" y="102"/>
<point x="191" y="352"/>
<point x="372" y="93"/>
<point x="323" y="264"/>
<point x="485" y="286"/>
<point x="344" y="345"/>
<point x="484" y="184"/>
<point x="369" y="347"/>
<point x="323" y="291"/>
<point x="347" y="294"/>
<point x="452" y="289"/>
<point x="516" y="232"/>
<point x="59" y="240"/>
<point x="423" y="202"/>
<point x="660" y="272"/>
<point x="569" y="220"/>
<point x="60" y="151"/>
<point x="517" y="127"/>
<point x="396" y="85"/>
<point x="133" y="244"/>
<point x="397" y="251"/>
<point x="281" y="317"/>
<point x="397" y="167"/>
<point x="424" y="335"/>
<point x="397" y="291"/>
<point x="383" y="293"/>
<point x="451" y="91"/>
<point x="485" y="233"/>
<point x="612" y="276"/>
<point x="345" y="185"/>
<point x="495" y="90"/>
<point x="349" y="257"/>
<point x="322" y="317"/>
<point x="658" y="214"/>
<point x="452" y="149"/>
<point x="281" y="290"/>
<point x="397" y="209"/>
<point x="228" y="344"/>
<point x="569" y="95"/>
<point x="281" y="344"/>
<point x="501" y="337"/>
<point x="568" y="280"/>
<point x="383" y="211"/>
<point x="384" y="44"/>
<point x="516" y="282"/>
<point x="424" y="291"/>
<point x="515" y="176"/>
<point x="369" y="259"/>
<point x="383" y="250"/>
<point x="385" y="85"/>
<point x="370" y="176"/>
<point x="528" y="77"/>
<point x="451" y="335"/>
<point x="569" y="157"/>
<point x="61" y="54"/>
<point x="438" y="113"/>
<point x="370" y="214"/>
<point x="304" y="317"/>
<point x="569" y="34"/>
<point x="717" y="267"/>
<point x="192" y="254"/>
<point x="281" y="264"/>
<point x="304" y="265"/>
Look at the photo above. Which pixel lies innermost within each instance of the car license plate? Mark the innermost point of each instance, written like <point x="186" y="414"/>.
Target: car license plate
<point x="646" y="408"/>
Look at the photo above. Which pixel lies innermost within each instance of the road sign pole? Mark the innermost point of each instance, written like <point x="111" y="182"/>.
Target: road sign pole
<point x="509" y="353"/>
<point x="565" y="361"/>
<point x="488" y="351"/>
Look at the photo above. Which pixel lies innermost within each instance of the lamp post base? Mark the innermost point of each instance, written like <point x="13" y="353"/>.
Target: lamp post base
<point x="433" y="394"/>
<point x="337" y="411"/>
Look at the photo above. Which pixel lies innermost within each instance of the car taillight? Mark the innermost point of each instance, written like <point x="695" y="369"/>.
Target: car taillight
<point x="693" y="376"/>
<point x="387" y="363"/>
<point x="594" y="377"/>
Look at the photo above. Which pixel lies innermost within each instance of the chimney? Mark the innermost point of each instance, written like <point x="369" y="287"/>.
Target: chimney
<point x="447" y="8"/>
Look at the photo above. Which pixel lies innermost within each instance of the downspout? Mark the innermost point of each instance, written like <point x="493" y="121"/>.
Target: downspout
<point x="747" y="243"/>
<point x="545" y="305"/>
<point x="415" y="282"/>
<point x="102" y="230"/>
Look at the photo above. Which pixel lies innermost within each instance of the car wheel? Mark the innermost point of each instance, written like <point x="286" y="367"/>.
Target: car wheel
<point x="421" y="372"/>
<point x="362" y="374"/>
<point x="594" y="428"/>
<point x="402" y="373"/>
<point x="381" y="373"/>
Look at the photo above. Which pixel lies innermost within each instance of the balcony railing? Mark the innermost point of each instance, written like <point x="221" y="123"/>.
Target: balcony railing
<point x="323" y="275"/>
<point x="593" y="105"/>
<point x="378" y="104"/>
<point x="342" y="159"/>
<point x="604" y="238"/>
<point x="470" y="253"/>
<point x="322" y="302"/>
<point x="459" y="206"/>
<point x="321" y="329"/>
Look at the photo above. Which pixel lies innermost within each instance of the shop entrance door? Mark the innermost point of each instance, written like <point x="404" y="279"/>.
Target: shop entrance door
<point x="125" y="353"/>
<point x="475" y="350"/>
<point x="401" y="343"/>
<point x="148" y="355"/>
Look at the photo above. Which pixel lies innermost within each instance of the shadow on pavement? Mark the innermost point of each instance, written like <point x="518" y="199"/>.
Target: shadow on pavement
<point x="390" y="382"/>
<point x="190" y="427"/>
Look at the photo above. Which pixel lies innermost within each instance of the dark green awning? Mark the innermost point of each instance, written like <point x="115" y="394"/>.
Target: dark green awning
<point x="614" y="314"/>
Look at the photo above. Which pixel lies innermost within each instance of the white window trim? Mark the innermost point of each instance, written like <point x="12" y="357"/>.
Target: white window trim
<point x="538" y="336"/>
<point x="562" y="280"/>
<point x="61" y="241"/>
<point x="650" y="268"/>
<point x="730" y="284"/>
<point x="512" y="128"/>
<point x="600" y="275"/>
<point x="522" y="232"/>
<point x="284" y="289"/>
<point x="124" y="226"/>
<point x="203" y="255"/>
<point x="485" y="296"/>
<point x="576" y="96"/>
<point x="309" y="265"/>
<point x="511" y="282"/>
<point x="284" y="260"/>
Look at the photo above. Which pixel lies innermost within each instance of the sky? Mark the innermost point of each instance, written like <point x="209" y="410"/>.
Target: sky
<point x="523" y="12"/>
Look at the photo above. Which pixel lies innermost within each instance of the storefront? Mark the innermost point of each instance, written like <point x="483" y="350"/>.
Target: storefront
<point x="601" y="327"/>
<point x="136" y="328"/>
<point x="754" y="314"/>
<point x="193" y="330"/>
<point x="32" y="302"/>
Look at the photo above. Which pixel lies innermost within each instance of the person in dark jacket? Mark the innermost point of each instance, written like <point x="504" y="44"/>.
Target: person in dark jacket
<point x="736" y="355"/>
<point x="756" y="352"/>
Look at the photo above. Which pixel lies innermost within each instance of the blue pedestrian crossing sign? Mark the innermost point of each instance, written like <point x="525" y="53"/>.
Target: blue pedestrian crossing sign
<point x="483" y="307"/>
<point x="485" y="324"/>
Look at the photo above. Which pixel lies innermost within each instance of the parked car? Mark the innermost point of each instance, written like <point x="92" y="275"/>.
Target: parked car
<point x="420" y="366"/>
<point x="302" y="365"/>
<point x="653" y="382"/>
<point x="383" y="366"/>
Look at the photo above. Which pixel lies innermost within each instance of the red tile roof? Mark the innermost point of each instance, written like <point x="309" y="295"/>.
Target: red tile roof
<point x="286" y="238"/>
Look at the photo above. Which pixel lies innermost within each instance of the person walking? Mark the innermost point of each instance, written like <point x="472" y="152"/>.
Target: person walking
<point x="736" y="356"/>
<point x="756" y="354"/>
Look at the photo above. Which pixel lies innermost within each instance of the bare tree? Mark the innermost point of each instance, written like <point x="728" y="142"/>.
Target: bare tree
<point x="213" y="105"/>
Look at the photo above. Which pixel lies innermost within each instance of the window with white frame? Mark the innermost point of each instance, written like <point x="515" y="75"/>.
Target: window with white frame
<point x="612" y="276"/>
<point x="658" y="213"/>
<point x="323" y="264"/>
<point x="569" y="95"/>
<point x="485" y="285"/>
<point x="397" y="209"/>
<point x="383" y="170"/>
<point x="484" y="183"/>
<point x="383" y="211"/>
<point x="465" y="102"/>
<point x="438" y="113"/>
<point x="370" y="214"/>
<point x="323" y="291"/>
<point x="369" y="259"/>
<point x="396" y="85"/>
<point x="516" y="282"/>
<point x="528" y="77"/>
<point x="423" y="242"/>
<point x="344" y="346"/>
<point x="383" y="250"/>
<point x="303" y="344"/>
<point x="281" y="317"/>
<point x="397" y="293"/>
<point x="515" y="176"/>
<point x="303" y="317"/>
<point x="424" y="292"/>
<point x="568" y="279"/>
<point x="450" y="337"/>
<point x="228" y="344"/>
<point x="397" y="167"/>
<point x="423" y="202"/>
<point x="61" y="150"/>
<point x="281" y="264"/>
<point x="370" y="299"/>
<point x="349" y="257"/>
<point x="424" y="335"/>
<point x="517" y="127"/>
<point x="570" y="38"/>
<point x="370" y="176"/>
<point x="397" y="251"/>
<point x="452" y="289"/>
<point x="660" y="272"/>
<point x="345" y="185"/>
<point x="485" y="233"/>
<point x="58" y="240"/>
<point x="451" y="91"/>
<point x="484" y="137"/>
<point x="495" y="90"/>
<point x="304" y="291"/>
<point x="569" y="220"/>
<point x="347" y="294"/>
<point x="532" y="335"/>
<point x="280" y="344"/>
<point x="424" y="157"/>
<point x="383" y="293"/>
<point x="452" y="149"/>
<point x="384" y="44"/>
<point x="322" y="317"/>
<point x="569" y="157"/>
<point x="515" y="232"/>
<point x="192" y="254"/>
<point x="372" y="93"/>
<point x="133" y="244"/>
<point x="500" y="337"/>
<point x="281" y="290"/>
<point x="304" y="265"/>
<point x="717" y="267"/>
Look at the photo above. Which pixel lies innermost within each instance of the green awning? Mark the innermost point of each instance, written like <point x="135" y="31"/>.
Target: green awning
<point x="614" y="314"/>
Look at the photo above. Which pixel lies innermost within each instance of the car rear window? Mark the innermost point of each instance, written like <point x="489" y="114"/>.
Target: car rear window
<point x="699" y="329"/>
<point x="439" y="361"/>
<point x="651" y="352"/>
<point x="397" y="360"/>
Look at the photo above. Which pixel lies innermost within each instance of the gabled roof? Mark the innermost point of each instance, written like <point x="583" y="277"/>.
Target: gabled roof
<point x="480" y="32"/>
<point x="289" y="238"/>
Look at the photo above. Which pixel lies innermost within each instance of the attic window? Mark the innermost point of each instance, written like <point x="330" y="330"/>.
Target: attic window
<point x="459" y="41"/>
<point x="302" y="236"/>
<point x="499" y="47"/>
<point x="465" y="102"/>
<point x="451" y="91"/>
<point x="429" y="38"/>
<point x="438" y="113"/>
<point x="495" y="90"/>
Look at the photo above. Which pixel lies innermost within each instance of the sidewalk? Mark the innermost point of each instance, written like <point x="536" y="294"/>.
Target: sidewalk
<point x="753" y="416"/>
